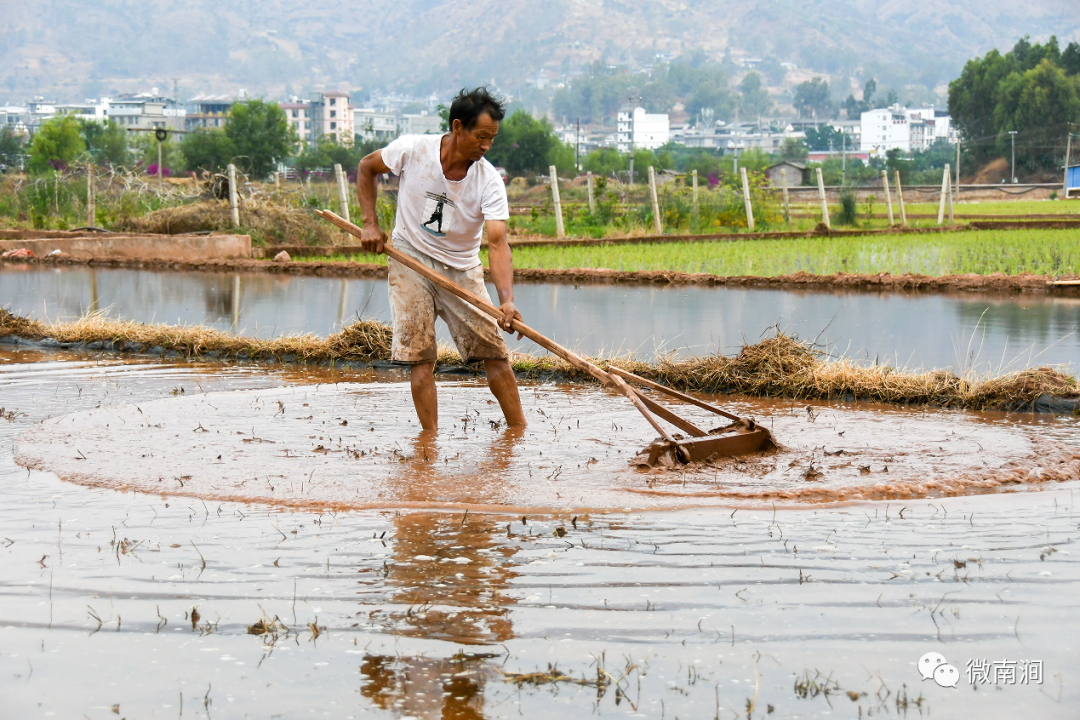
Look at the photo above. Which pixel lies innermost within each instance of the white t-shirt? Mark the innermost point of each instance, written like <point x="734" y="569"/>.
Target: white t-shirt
<point x="443" y="218"/>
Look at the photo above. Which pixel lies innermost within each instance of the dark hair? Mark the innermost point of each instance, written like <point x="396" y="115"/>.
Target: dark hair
<point x="470" y="104"/>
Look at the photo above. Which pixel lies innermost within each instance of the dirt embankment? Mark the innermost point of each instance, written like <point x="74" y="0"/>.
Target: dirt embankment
<point x="996" y="283"/>
<point x="778" y="367"/>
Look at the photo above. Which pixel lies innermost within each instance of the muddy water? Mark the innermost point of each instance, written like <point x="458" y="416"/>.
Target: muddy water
<point x="797" y="611"/>
<point x="358" y="445"/>
<point x="962" y="331"/>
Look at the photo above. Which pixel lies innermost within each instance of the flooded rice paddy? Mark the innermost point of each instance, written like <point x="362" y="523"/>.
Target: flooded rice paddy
<point x="119" y="603"/>
<point x="984" y="332"/>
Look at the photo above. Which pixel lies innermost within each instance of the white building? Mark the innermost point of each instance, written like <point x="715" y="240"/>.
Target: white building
<point x="147" y="111"/>
<point x="899" y="128"/>
<point x="642" y="130"/>
<point x="422" y="124"/>
<point x="88" y="110"/>
<point x="370" y="124"/>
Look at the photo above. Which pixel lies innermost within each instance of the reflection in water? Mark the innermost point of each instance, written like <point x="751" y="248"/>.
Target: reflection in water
<point x="451" y="689"/>
<point x="917" y="330"/>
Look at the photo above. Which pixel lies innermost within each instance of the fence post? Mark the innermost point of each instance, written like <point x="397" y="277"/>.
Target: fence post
<point x="951" y="221"/>
<point x="888" y="195"/>
<point x="945" y="182"/>
<point x="277" y="180"/>
<point x="91" y="214"/>
<point x="234" y="205"/>
<point x="824" y="203"/>
<point x="900" y="200"/>
<point x="343" y="191"/>
<point x="746" y="199"/>
<point x="787" y="198"/>
<point x="657" y="223"/>
<point x="560" y="230"/>
<point x="592" y="198"/>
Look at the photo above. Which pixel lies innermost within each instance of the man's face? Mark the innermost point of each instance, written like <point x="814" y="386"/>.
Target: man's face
<point x="476" y="142"/>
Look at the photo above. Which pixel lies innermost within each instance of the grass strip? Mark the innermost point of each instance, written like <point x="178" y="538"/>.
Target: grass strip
<point x="1011" y="252"/>
<point x="778" y="367"/>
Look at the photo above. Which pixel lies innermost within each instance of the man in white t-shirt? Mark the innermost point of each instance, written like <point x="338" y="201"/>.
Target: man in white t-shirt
<point x="447" y="193"/>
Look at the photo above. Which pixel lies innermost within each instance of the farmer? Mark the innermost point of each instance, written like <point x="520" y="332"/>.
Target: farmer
<point x="447" y="193"/>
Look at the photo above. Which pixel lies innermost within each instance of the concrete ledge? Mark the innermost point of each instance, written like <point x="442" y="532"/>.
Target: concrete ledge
<point x="178" y="248"/>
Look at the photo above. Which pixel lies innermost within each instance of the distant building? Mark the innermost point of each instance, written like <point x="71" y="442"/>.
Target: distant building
<point x="795" y="172"/>
<point x="89" y="110"/>
<point x="299" y="116"/>
<point x="332" y="117"/>
<point x="147" y="111"/>
<point x="640" y="129"/>
<point x="208" y="111"/>
<point x="422" y="124"/>
<point x="900" y="128"/>
<point x="370" y="124"/>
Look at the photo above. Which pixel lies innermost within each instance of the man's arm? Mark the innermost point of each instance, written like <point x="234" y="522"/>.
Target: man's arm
<point x="372" y="238"/>
<point x="502" y="271"/>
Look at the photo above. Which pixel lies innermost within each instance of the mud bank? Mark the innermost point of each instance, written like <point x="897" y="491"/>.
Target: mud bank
<point x="779" y="367"/>
<point x="884" y="282"/>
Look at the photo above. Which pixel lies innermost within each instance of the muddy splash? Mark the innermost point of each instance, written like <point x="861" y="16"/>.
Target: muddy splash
<point x="359" y="446"/>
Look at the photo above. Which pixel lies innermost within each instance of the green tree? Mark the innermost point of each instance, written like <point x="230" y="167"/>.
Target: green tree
<point x="57" y="143"/>
<point x="261" y="136"/>
<point x="754" y="97"/>
<point x="207" y="150"/>
<point x="605" y="161"/>
<point x="1030" y="103"/>
<point x="819" y="138"/>
<point x="106" y="142"/>
<point x="11" y="147"/>
<point x="812" y="98"/>
<point x="524" y="144"/>
<point x="794" y="149"/>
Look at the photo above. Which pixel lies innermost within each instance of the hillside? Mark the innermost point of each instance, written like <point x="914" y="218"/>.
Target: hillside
<point x="69" y="49"/>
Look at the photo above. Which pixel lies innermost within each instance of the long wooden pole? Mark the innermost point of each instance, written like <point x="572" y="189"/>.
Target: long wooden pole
<point x="657" y="222"/>
<point x="888" y="195"/>
<point x="560" y="229"/>
<point x="592" y="196"/>
<point x="746" y="199"/>
<point x="824" y="203"/>
<point x="945" y="180"/>
<point x="234" y="205"/>
<point x="900" y="200"/>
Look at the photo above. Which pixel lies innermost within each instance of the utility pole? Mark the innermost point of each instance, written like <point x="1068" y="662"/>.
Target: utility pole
<point x="957" y="164"/>
<point x="1068" y="155"/>
<point x="577" y="146"/>
<point x="843" y="162"/>
<point x="1012" y="134"/>
<point x="632" y="99"/>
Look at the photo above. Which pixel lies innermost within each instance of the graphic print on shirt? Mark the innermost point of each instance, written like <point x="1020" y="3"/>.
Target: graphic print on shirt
<point x="439" y="211"/>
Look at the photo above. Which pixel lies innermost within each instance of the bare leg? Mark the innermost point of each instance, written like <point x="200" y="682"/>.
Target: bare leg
<point x="504" y="387"/>
<point x="425" y="399"/>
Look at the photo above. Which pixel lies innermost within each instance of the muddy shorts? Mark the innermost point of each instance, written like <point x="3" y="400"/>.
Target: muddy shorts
<point x="415" y="301"/>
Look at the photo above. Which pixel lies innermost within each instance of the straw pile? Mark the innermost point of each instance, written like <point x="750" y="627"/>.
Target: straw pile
<point x="263" y="220"/>
<point x="779" y="366"/>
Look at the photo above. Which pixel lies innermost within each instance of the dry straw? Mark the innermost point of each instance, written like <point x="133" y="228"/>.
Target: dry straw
<point x="780" y="366"/>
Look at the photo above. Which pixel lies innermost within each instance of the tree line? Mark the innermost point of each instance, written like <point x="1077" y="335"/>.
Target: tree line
<point x="1032" y="90"/>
